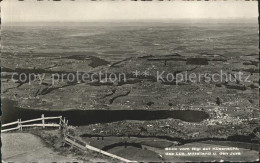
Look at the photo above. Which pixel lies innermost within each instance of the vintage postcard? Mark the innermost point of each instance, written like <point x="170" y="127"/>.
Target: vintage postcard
<point x="129" y="81"/>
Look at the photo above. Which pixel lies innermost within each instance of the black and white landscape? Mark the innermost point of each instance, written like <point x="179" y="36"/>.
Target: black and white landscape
<point x="177" y="81"/>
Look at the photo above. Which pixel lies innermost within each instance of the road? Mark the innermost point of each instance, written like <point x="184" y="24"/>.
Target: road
<point x="25" y="147"/>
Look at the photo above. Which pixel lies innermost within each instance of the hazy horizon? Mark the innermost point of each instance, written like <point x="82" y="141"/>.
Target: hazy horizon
<point x="125" y="11"/>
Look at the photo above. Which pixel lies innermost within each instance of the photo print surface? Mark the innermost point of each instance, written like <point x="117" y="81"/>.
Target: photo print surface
<point x="124" y="81"/>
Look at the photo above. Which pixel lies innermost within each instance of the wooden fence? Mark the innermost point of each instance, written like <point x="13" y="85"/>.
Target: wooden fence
<point x="68" y="139"/>
<point x="27" y="123"/>
<point x="81" y="145"/>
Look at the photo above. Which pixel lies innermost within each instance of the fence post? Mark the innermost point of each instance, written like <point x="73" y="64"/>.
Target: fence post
<point x="60" y="123"/>
<point x="72" y="145"/>
<point x="43" y="122"/>
<point x="64" y="121"/>
<point x="20" y="124"/>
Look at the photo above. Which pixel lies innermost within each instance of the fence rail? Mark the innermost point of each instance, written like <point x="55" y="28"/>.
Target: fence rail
<point x="68" y="139"/>
<point x="42" y="125"/>
<point x="21" y="124"/>
<point x="40" y="119"/>
<point x="81" y="145"/>
<point x="10" y="129"/>
<point x="9" y="124"/>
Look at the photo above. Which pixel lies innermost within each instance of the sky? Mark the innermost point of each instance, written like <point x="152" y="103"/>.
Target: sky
<point x="85" y="11"/>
